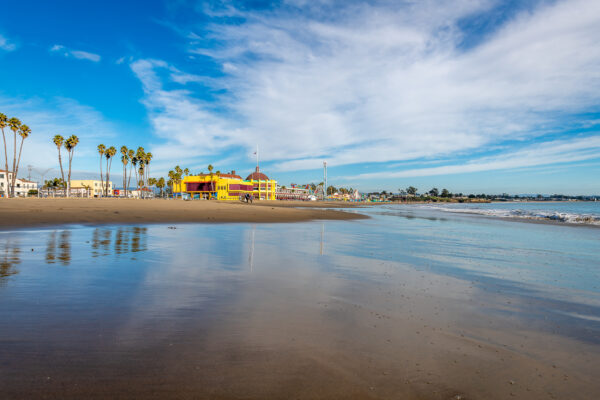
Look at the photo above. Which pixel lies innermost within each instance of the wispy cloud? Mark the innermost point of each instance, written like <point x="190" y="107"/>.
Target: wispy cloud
<point x="78" y="54"/>
<point x="58" y="116"/>
<point x="379" y="82"/>
<point x="6" y="45"/>
<point x="552" y="152"/>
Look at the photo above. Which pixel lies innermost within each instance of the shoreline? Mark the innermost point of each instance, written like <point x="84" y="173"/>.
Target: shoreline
<point x="25" y="213"/>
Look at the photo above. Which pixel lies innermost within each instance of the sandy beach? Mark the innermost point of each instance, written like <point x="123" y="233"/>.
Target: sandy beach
<point x="45" y="212"/>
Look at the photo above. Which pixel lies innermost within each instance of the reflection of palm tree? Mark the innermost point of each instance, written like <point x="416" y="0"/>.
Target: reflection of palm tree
<point x="10" y="258"/>
<point x="64" y="245"/>
<point x="51" y="248"/>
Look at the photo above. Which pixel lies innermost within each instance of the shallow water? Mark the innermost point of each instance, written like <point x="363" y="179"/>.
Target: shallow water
<point x="412" y="303"/>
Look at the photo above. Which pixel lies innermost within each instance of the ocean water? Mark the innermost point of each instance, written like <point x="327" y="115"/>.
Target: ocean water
<point x="575" y="212"/>
<point x="374" y="308"/>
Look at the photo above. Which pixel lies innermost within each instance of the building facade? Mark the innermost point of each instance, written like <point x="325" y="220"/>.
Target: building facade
<point x="22" y="186"/>
<point x="293" y="193"/>
<point x="226" y="186"/>
<point x="91" y="186"/>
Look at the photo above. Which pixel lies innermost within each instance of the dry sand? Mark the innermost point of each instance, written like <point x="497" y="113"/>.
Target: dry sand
<point x="43" y="212"/>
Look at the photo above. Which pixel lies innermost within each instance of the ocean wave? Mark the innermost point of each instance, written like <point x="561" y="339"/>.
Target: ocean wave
<point x="540" y="215"/>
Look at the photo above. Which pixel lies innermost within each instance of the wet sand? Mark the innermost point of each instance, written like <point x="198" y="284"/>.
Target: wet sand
<point x="301" y="311"/>
<point x="47" y="212"/>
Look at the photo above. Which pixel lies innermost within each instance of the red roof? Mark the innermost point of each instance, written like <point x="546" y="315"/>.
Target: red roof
<point x="257" y="175"/>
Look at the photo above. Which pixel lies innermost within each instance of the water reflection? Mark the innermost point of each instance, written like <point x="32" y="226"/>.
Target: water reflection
<point x="322" y="238"/>
<point x="251" y="252"/>
<point x="58" y="247"/>
<point x="10" y="258"/>
<point x="126" y="240"/>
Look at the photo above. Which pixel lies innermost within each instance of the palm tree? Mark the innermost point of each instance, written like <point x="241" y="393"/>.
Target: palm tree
<point x="160" y="183"/>
<point x="140" y="154"/>
<point x="124" y="160"/>
<point x="148" y="159"/>
<point x="186" y="172"/>
<point x="171" y="182"/>
<point x="3" y="124"/>
<point x="101" y="150"/>
<point x="110" y="152"/>
<point x="152" y="182"/>
<point x="212" y="184"/>
<point x="131" y="156"/>
<point x="24" y="132"/>
<point x="59" y="141"/>
<point x="14" y="124"/>
<point x="70" y="144"/>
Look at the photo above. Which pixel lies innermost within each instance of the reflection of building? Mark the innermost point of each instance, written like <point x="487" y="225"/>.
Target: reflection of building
<point x="22" y="186"/>
<point x="227" y="186"/>
<point x="94" y="187"/>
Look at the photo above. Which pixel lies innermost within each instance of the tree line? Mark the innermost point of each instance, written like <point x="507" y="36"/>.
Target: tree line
<point x="18" y="129"/>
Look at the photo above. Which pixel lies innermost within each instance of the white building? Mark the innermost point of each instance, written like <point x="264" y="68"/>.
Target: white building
<point x="22" y="186"/>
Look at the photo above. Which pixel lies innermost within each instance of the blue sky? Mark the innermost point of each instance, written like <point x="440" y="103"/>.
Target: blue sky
<point x="472" y="95"/>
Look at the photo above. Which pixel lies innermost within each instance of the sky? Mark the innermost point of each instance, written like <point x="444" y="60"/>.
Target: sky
<point x="476" y="96"/>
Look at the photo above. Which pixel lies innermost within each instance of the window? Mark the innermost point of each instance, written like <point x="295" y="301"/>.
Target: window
<point x="1" y="175"/>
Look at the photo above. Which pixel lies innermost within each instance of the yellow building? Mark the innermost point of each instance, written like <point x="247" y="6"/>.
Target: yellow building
<point x="94" y="187"/>
<point x="227" y="186"/>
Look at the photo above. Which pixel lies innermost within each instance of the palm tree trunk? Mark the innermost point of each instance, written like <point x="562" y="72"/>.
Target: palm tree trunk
<point x="101" y="178"/>
<point x="69" y="174"/>
<point x="62" y="173"/>
<point x="6" y="163"/>
<point x="17" y="167"/>
<point x="107" y="177"/>
<point x="124" y="179"/>
<point x="129" y="180"/>
<point x="14" y="163"/>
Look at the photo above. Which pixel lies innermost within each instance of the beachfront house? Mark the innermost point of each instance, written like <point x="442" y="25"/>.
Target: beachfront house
<point x="23" y="187"/>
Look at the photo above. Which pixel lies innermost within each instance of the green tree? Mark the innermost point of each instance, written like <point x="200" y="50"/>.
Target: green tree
<point x="131" y="156"/>
<point x="4" y="124"/>
<point x="434" y="192"/>
<point x="101" y="151"/>
<point x="160" y="184"/>
<point x="24" y="133"/>
<point x="59" y="141"/>
<point x="411" y="190"/>
<point x="124" y="161"/>
<point x="70" y="145"/>
<point x="445" y="193"/>
<point x="110" y="153"/>
<point x="14" y="124"/>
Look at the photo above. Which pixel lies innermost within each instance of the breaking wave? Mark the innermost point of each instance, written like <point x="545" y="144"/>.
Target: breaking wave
<point x="540" y="215"/>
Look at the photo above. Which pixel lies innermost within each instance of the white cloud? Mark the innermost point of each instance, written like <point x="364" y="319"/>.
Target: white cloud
<point x="59" y="116"/>
<point x="552" y="152"/>
<point x="84" y="55"/>
<point x="380" y="83"/>
<point x="6" y="45"/>
<point x="78" y="54"/>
